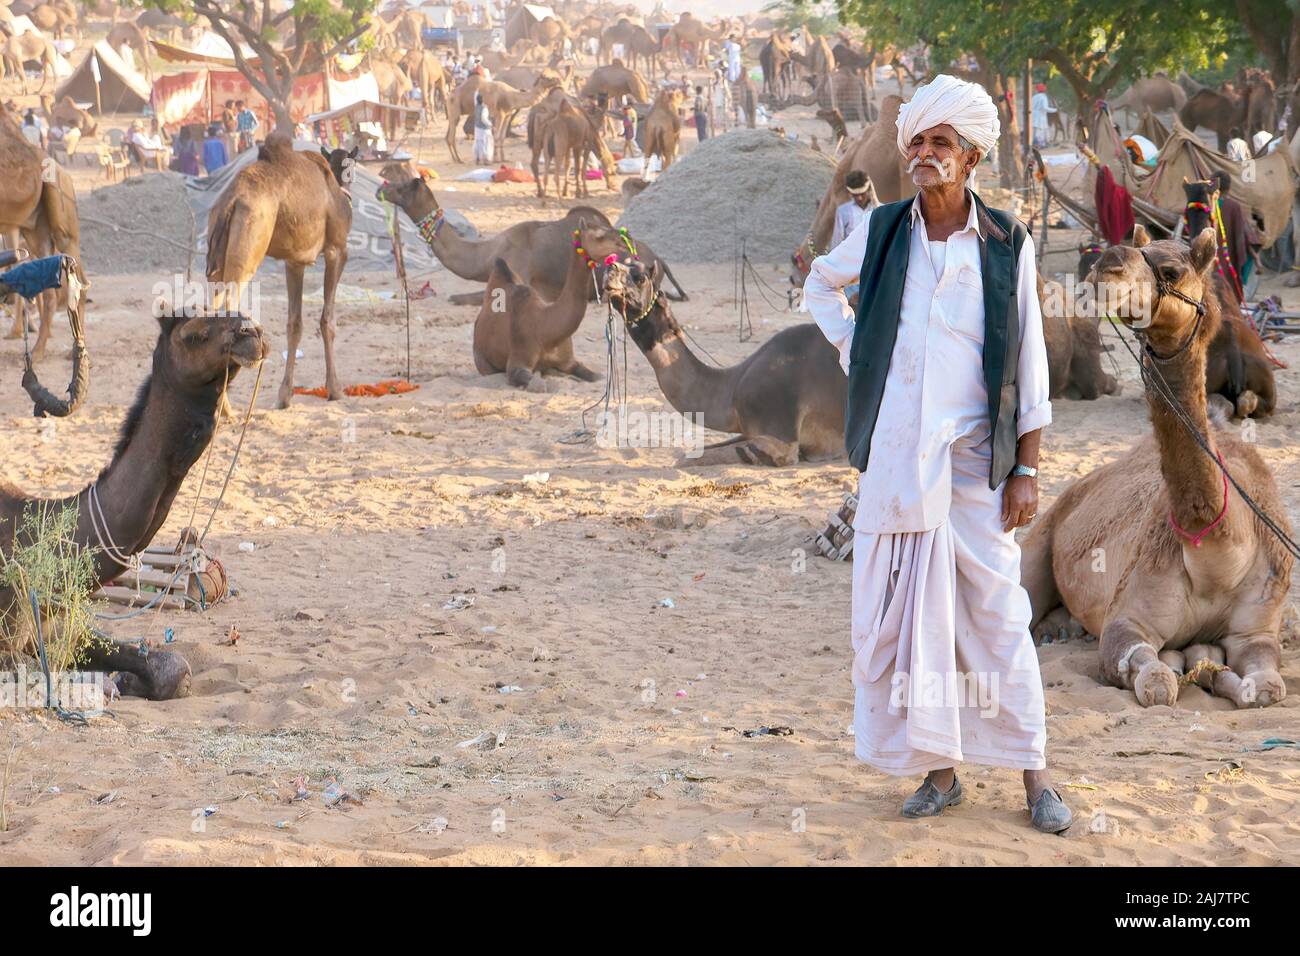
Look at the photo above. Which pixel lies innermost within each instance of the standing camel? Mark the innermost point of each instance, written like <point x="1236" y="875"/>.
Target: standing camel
<point x="663" y="127"/>
<point x="427" y="76"/>
<point x="291" y="206"/>
<point x="21" y="183"/>
<point x="1187" y="573"/>
<point x="503" y="102"/>
<point x="571" y="135"/>
<point x="17" y="50"/>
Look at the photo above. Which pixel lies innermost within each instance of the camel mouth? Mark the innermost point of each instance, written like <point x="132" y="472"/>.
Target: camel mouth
<point x="250" y="346"/>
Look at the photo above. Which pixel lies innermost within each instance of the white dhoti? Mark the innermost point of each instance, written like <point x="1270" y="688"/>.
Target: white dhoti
<point x="483" y="144"/>
<point x="944" y="667"/>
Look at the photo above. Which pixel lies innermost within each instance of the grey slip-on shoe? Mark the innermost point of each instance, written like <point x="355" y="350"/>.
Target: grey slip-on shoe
<point x="1049" y="813"/>
<point x="930" y="801"/>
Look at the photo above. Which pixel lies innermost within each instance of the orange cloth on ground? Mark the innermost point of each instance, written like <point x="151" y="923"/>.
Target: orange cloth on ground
<point x="506" y="174"/>
<point x="389" y="386"/>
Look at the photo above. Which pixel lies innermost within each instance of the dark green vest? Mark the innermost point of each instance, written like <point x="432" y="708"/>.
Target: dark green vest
<point x="880" y="298"/>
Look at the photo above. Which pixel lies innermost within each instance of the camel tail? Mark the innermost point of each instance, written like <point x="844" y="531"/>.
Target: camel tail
<point x="681" y="293"/>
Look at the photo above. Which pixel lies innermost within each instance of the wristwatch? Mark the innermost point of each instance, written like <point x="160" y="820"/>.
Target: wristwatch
<point x="1024" y="471"/>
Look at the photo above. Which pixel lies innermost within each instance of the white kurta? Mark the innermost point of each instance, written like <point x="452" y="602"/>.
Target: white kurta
<point x="944" y="669"/>
<point x="848" y="216"/>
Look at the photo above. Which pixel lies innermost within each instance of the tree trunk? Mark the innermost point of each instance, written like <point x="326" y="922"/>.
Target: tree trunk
<point x="280" y="112"/>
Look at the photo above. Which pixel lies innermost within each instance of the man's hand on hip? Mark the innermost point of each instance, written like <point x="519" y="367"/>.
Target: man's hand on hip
<point x="1019" y="502"/>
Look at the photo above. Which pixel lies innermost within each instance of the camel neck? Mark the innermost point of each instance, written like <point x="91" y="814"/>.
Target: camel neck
<point x="573" y="295"/>
<point x="466" y="258"/>
<point x="1193" y="478"/>
<point x="164" y="437"/>
<point x="690" y="386"/>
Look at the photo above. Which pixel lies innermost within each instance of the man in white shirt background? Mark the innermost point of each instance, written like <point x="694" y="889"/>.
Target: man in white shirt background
<point x="947" y="400"/>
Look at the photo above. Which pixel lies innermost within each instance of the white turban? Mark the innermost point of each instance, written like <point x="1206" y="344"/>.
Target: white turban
<point x="964" y="106"/>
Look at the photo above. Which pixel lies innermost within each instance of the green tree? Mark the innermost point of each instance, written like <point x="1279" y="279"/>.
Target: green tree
<point x="1095" y="45"/>
<point x="1273" y="28"/>
<point x="315" y="30"/>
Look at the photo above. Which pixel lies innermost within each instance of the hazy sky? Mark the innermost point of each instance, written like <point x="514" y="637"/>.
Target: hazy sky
<point x="706" y="9"/>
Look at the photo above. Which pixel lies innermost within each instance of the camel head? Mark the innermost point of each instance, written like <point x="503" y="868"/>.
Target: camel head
<point x="342" y="164"/>
<point x="632" y="287"/>
<point x="1202" y="197"/>
<point x="197" y="349"/>
<point x="1161" y="289"/>
<point x="412" y="194"/>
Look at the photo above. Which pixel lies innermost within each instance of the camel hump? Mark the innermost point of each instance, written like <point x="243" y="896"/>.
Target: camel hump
<point x="276" y="145"/>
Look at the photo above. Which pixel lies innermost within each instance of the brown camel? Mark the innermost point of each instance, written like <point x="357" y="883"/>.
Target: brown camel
<point x="21" y="188"/>
<point x="290" y="206"/>
<point x="503" y="102"/>
<point x="166" y="431"/>
<point x="54" y="227"/>
<point x="394" y="85"/>
<point x="571" y="135"/>
<point x="536" y="251"/>
<point x="693" y="33"/>
<point x="777" y="65"/>
<point x="18" y="50"/>
<point x="1152" y="552"/>
<point x="638" y="45"/>
<point x="1155" y="93"/>
<point x="136" y="37"/>
<point x="1074" y="348"/>
<point x="783" y="403"/>
<point x="68" y="114"/>
<point x="53" y="20"/>
<point x="1217" y="110"/>
<point x="520" y="333"/>
<point x="663" y="127"/>
<point x="427" y="75"/>
<point x="608" y="84"/>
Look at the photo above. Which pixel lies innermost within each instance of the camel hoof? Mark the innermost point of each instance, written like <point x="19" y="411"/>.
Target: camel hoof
<point x="168" y="678"/>
<point x="1261" y="689"/>
<point x="1247" y="402"/>
<point x="537" y="385"/>
<point x="284" y="399"/>
<point x="1156" y="685"/>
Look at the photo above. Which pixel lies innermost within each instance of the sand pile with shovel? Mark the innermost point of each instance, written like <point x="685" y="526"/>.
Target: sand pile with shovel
<point x="749" y="183"/>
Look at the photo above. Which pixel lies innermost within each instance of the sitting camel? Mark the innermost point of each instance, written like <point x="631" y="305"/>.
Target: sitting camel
<point x="165" y="433"/>
<point x="1153" y="552"/>
<point x="1074" y="348"/>
<point x="536" y="251"/>
<point x="663" y="127"/>
<point x="783" y="403"/>
<point x="291" y="206"/>
<point x="520" y="333"/>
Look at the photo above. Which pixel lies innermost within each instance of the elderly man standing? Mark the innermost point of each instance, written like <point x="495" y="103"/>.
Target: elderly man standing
<point x="947" y="399"/>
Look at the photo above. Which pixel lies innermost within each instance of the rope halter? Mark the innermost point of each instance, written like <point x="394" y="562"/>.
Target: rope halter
<point x="1163" y="288"/>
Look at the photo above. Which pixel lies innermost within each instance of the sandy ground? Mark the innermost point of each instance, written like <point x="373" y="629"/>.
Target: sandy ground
<point x="621" y="731"/>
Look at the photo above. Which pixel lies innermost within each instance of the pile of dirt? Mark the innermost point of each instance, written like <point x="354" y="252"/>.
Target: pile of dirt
<point x="142" y="224"/>
<point x="749" y="184"/>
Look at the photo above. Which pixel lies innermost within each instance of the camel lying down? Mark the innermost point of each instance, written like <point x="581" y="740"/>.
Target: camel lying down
<point x="1153" y="552"/>
<point x="785" y="402"/>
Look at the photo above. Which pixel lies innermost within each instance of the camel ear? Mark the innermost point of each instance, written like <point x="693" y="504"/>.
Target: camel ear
<point x="1140" y="236"/>
<point x="325" y="152"/>
<point x="1204" y="249"/>
<point x="166" y="323"/>
<point x="353" y="153"/>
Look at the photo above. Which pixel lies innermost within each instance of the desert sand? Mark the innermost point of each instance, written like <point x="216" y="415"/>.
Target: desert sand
<point x="619" y="717"/>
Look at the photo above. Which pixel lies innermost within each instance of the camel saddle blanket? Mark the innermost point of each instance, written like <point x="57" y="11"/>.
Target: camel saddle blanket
<point x="30" y="279"/>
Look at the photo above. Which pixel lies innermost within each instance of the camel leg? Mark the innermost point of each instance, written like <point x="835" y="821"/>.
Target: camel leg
<point x="333" y="270"/>
<point x="1252" y="679"/>
<point x="142" y="671"/>
<point x="293" y="285"/>
<point x="1038" y="579"/>
<point x="759" y="450"/>
<point x="578" y="370"/>
<point x="521" y="376"/>
<point x="45" y="307"/>
<point x="1130" y="658"/>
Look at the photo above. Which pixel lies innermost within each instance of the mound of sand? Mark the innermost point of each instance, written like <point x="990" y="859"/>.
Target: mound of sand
<point x="142" y="224"/>
<point x="749" y="183"/>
